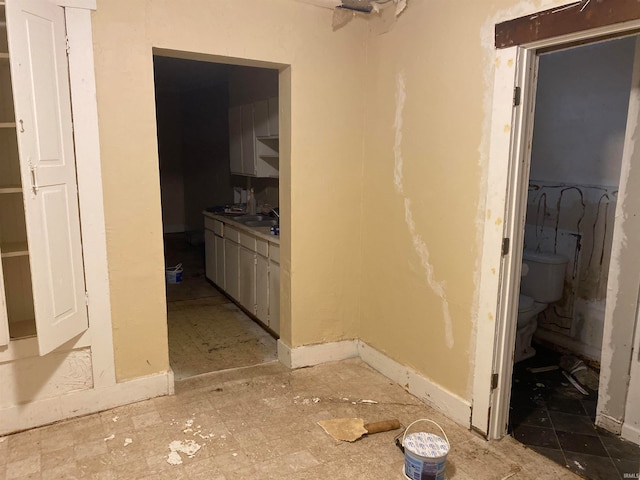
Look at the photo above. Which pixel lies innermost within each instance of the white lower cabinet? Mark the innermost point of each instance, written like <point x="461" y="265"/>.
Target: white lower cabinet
<point x="210" y="255"/>
<point x="231" y="268"/>
<point x="247" y="278"/>
<point x="262" y="288"/>
<point x="274" y="288"/>
<point x="246" y="267"/>
<point x="219" y="262"/>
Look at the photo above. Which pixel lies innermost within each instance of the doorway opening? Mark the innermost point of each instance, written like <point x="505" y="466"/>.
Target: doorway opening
<point x="577" y="142"/>
<point x="208" y="329"/>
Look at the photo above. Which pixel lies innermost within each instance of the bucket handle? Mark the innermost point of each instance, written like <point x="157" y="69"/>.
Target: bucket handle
<point x="425" y="420"/>
<point x="174" y="269"/>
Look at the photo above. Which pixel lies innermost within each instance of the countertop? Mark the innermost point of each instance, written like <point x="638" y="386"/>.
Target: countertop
<point x="261" y="232"/>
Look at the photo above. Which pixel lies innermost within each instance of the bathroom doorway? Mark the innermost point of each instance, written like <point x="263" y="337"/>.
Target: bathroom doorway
<point x="572" y="178"/>
<point x="207" y="331"/>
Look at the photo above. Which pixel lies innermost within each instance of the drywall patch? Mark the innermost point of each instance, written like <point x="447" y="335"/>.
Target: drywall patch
<point x="419" y="245"/>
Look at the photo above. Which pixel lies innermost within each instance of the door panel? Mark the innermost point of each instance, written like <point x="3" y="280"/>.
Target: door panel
<point x="39" y="73"/>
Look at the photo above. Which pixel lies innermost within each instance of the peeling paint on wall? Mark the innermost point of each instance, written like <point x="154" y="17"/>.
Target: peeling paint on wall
<point x="575" y="221"/>
<point x="419" y="245"/>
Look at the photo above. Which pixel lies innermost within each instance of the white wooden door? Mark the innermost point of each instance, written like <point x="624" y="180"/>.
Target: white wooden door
<point x="39" y="74"/>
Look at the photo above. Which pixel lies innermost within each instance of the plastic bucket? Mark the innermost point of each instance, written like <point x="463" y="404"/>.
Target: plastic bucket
<point x="425" y="454"/>
<point x="174" y="274"/>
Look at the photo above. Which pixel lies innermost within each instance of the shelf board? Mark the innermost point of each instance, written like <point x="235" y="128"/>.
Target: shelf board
<point x="14" y="249"/>
<point x="267" y="138"/>
<point x="11" y="189"/>
<point x="22" y="329"/>
<point x="268" y="155"/>
<point x="7" y="124"/>
<point x="4" y="55"/>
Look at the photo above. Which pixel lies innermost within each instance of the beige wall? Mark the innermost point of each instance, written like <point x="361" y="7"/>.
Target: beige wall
<point x="325" y="88"/>
<point x="426" y="159"/>
<point x="381" y="230"/>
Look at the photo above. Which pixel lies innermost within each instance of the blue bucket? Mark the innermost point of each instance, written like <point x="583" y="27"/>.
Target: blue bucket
<point x="425" y="454"/>
<point x="174" y="274"/>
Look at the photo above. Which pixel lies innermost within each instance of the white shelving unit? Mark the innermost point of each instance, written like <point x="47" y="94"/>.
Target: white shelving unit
<point x="14" y="250"/>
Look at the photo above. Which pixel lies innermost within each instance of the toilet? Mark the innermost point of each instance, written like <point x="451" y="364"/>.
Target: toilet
<point x="542" y="283"/>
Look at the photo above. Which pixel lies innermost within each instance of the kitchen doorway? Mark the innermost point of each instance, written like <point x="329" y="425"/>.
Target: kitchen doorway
<point x="207" y="330"/>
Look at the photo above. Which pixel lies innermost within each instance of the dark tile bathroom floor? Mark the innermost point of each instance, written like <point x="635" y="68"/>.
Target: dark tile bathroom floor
<point x="553" y="418"/>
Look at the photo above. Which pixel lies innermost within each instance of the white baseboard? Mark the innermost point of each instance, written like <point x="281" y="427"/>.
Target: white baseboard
<point x="309" y="355"/>
<point x="74" y="404"/>
<point x="631" y="433"/>
<point x="454" y="407"/>
<point x="434" y="395"/>
<point x="610" y="424"/>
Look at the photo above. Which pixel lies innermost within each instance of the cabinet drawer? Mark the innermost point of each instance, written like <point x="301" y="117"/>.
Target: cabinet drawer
<point x="248" y="241"/>
<point x="274" y="252"/>
<point x="209" y="223"/>
<point x="214" y="225"/>
<point x="262" y="247"/>
<point x="232" y="234"/>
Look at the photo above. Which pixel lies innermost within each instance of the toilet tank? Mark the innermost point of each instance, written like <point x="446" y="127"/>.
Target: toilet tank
<point x="544" y="281"/>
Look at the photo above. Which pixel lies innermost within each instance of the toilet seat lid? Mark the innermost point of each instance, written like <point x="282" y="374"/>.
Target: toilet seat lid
<point x="525" y="303"/>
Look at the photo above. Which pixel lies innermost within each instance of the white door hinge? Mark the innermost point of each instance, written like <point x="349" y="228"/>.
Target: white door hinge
<point x="86" y="298"/>
<point x="68" y="47"/>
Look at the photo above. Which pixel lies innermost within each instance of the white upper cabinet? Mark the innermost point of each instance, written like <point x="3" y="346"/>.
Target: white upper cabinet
<point x="40" y="81"/>
<point x="253" y="139"/>
<point x="235" y="140"/>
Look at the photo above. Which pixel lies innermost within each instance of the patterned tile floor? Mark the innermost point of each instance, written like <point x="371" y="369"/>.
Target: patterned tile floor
<point x="207" y="332"/>
<point x="258" y="422"/>
<point x="553" y="418"/>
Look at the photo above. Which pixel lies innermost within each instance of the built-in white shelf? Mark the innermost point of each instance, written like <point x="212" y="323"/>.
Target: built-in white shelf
<point x="11" y="189"/>
<point x="7" y="124"/>
<point x="22" y="329"/>
<point x="14" y="249"/>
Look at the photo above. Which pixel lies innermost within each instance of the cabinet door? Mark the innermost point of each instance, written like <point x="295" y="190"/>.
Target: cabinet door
<point x="262" y="289"/>
<point x="274" y="296"/>
<point x="235" y="140"/>
<point x="247" y="279"/>
<point x="219" y="278"/>
<point x="210" y="256"/>
<point x="274" y="117"/>
<point x="248" y="139"/>
<point x="39" y="74"/>
<point x="261" y="118"/>
<point x="231" y="268"/>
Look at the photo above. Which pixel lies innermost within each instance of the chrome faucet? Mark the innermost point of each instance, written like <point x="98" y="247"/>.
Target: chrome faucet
<point x="271" y="209"/>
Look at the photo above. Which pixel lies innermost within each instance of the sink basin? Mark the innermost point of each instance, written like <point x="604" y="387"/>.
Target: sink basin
<point x="252" y="218"/>
<point x="261" y="223"/>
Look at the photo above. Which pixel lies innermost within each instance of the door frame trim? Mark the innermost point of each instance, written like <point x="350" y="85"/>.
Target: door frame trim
<point x="495" y="334"/>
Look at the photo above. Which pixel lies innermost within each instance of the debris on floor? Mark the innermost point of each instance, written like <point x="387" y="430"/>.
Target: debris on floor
<point x="351" y="429"/>
<point x="550" y="368"/>
<point x="128" y="441"/>
<point x="189" y="448"/>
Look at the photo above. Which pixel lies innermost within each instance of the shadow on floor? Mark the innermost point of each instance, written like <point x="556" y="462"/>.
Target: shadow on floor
<point x="548" y="414"/>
